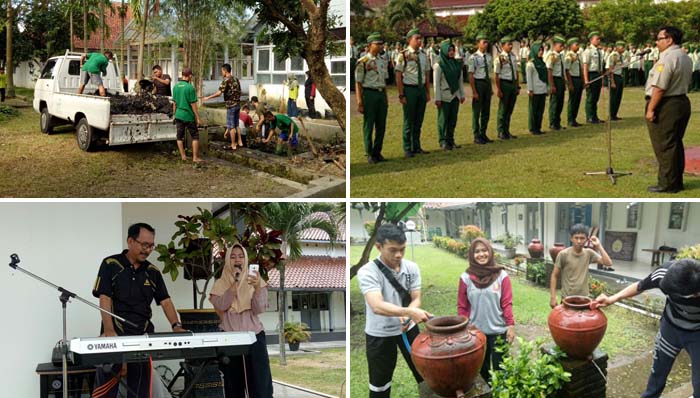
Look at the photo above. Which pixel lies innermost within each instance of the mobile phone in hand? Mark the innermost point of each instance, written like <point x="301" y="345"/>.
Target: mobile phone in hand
<point x="252" y="269"/>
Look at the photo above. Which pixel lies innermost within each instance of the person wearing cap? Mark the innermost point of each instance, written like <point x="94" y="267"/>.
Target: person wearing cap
<point x="679" y="281"/>
<point x="614" y="62"/>
<point x="413" y="83"/>
<point x="592" y="68"/>
<point x="186" y="114"/>
<point x="695" y="56"/>
<point x="524" y="53"/>
<point x="556" y="73"/>
<point x="507" y="87"/>
<point x="668" y="109"/>
<point x="480" y="64"/>
<point x="372" y="102"/>
<point x="449" y="93"/>
<point x="536" y="87"/>
<point x="574" y="72"/>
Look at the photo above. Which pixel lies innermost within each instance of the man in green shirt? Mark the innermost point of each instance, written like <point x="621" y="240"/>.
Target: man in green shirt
<point x="186" y="115"/>
<point x="289" y="132"/>
<point x="94" y="66"/>
<point x="3" y="84"/>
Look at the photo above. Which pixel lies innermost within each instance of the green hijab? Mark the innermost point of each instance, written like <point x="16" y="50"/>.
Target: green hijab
<point x="450" y="67"/>
<point x="539" y="63"/>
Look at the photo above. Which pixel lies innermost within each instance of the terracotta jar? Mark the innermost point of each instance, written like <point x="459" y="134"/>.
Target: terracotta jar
<point x="448" y="354"/>
<point x="555" y="249"/>
<point x="576" y="328"/>
<point x="535" y="248"/>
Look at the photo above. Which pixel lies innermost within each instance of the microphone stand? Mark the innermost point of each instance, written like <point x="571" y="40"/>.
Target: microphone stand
<point x="65" y="296"/>
<point x="609" y="171"/>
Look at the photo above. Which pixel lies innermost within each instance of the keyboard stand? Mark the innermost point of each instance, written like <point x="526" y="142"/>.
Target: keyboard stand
<point x="190" y="370"/>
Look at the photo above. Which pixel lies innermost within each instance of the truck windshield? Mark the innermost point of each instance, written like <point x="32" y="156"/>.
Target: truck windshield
<point x="49" y="69"/>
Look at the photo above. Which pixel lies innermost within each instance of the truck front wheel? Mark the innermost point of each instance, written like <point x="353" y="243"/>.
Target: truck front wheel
<point x="46" y="121"/>
<point x="86" y="135"/>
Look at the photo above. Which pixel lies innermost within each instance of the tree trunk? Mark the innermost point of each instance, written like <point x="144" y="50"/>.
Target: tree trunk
<point x="315" y="53"/>
<point x="122" y="16"/>
<point x="70" y="17"/>
<point x="9" y="62"/>
<point x="102" y="25"/>
<point x="281" y="306"/>
<point x="142" y="40"/>
<point x="85" y="27"/>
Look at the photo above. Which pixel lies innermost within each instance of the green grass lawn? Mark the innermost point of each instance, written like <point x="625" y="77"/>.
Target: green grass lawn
<point x="33" y="164"/>
<point x="628" y="334"/>
<point x="551" y="165"/>
<point x="324" y="372"/>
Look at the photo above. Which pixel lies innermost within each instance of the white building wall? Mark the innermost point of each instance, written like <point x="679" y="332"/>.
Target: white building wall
<point x="63" y="243"/>
<point x="357" y="227"/>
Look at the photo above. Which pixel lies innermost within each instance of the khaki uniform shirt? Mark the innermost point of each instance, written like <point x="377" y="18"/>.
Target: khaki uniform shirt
<point x="614" y="61"/>
<point x="593" y="57"/>
<point x="534" y="83"/>
<point x="408" y="65"/>
<point x="479" y="64"/>
<point x="554" y="61"/>
<point x="441" y="89"/>
<point x="672" y="72"/>
<point x="572" y="63"/>
<point x="370" y="72"/>
<point x="506" y="66"/>
<point x="574" y="270"/>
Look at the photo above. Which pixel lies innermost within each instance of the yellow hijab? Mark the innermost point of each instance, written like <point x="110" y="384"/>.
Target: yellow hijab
<point x="244" y="292"/>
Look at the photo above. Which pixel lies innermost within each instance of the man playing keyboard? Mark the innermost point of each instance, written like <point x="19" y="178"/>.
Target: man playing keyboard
<point x="126" y="285"/>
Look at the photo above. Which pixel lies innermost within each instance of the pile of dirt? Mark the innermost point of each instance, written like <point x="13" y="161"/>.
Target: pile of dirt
<point x="139" y="104"/>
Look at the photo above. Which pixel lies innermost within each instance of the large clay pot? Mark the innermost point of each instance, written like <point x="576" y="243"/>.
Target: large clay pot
<point x="554" y="251"/>
<point x="535" y="248"/>
<point x="448" y="354"/>
<point x="576" y="328"/>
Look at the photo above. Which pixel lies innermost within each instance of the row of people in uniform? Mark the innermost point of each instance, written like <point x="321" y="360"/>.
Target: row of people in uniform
<point x="545" y="74"/>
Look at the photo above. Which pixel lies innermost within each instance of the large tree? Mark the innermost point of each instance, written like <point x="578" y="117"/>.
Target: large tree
<point x="392" y="212"/>
<point x="292" y="218"/>
<point x="304" y="29"/>
<point x="527" y="18"/>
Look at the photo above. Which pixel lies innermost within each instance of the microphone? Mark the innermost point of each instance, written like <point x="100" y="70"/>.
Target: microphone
<point x="645" y="52"/>
<point x="14" y="260"/>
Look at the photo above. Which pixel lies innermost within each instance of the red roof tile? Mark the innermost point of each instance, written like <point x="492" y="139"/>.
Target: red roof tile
<point x="316" y="234"/>
<point x="311" y="272"/>
<point x="114" y="22"/>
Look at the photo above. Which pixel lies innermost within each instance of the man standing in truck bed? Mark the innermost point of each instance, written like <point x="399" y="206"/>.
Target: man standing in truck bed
<point x="94" y="65"/>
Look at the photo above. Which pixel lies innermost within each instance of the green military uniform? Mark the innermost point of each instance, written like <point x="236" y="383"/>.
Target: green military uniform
<point x="696" y="66"/>
<point x="634" y="68"/>
<point x="615" y="60"/>
<point x="537" y="86"/>
<point x="506" y="71"/>
<point x="370" y="75"/>
<point x="413" y="65"/>
<point x="449" y="90"/>
<point x="555" y="66"/>
<point x="574" y="69"/>
<point x="480" y="65"/>
<point x="672" y="73"/>
<point x="593" y="57"/>
<point x="649" y="60"/>
<point x="354" y="54"/>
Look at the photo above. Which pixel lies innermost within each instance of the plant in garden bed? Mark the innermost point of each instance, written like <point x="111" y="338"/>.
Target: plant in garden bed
<point x="469" y="233"/>
<point x="689" y="252"/>
<point x="532" y="374"/>
<point x="596" y="287"/>
<point x="536" y="272"/>
<point x="511" y="241"/>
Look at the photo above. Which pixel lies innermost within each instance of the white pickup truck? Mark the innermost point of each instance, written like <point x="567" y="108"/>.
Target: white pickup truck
<point x="56" y="99"/>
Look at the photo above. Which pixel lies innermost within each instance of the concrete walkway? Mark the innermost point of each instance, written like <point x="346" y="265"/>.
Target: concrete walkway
<point x="282" y="390"/>
<point x="306" y="348"/>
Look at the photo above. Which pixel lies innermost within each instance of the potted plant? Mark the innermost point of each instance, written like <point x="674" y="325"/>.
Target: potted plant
<point x="295" y="333"/>
<point x="510" y="242"/>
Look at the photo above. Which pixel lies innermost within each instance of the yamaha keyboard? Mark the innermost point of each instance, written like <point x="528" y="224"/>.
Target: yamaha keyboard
<point x="159" y="346"/>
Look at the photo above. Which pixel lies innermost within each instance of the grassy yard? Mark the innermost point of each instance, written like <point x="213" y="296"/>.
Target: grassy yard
<point x="628" y="335"/>
<point x="551" y="165"/>
<point x="33" y="164"/>
<point x="324" y="372"/>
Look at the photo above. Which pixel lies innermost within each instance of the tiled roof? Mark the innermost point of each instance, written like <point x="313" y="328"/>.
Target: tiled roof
<point x="112" y="20"/>
<point x="316" y="234"/>
<point x="311" y="272"/>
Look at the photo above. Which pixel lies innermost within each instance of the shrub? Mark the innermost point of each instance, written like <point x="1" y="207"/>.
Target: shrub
<point x="369" y="227"/>
<point x="689" y="252"/>
<point x="596" y="287"/>
<point x="529" y="375"/>
<point x="470" y="232"/>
